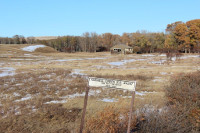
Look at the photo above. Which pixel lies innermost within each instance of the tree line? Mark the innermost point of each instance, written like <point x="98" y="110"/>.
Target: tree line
<point x="179" y="37"/>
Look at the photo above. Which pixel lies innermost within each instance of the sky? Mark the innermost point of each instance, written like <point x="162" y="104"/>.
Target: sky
<point x="74" y="17"/>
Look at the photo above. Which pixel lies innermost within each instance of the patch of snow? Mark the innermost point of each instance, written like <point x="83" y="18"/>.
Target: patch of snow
<point x="56" y="101"/>
<point x="141" y="93"/>
<point x="96" y="58"/>
<point x="46" y="81"/>
<point x="163" y="55"/>
<point x="29" y="55"/>
<point x="32" y="48"/>
<point x="158" y="62"/>
<point x="140" y="59"/>
<point x="190" y="56"/>
<point x="75" y="95"/>
<point x="163" y="73"/>
<point x="7" y="71"/>
<point x="19" y="84"/>
<point x="100" y="67"/>
<point x="16" y="94"/>
<point x="91" y="93"/>
<point x="22" y="59"/>
<point x="27" y="97"/>
<point x="157" y="79"/>
<point x="173" y="58"/>
<point x="77" y="72"/>
<point x="62" y="60"/>
<point x="148" y="55"/>
<point x="109" y="100"/>
<point x="119" y="63"/>
<point x="66" y="88"/>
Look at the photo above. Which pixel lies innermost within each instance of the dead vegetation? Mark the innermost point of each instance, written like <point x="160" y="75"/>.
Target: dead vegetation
<point x="46" y="50"/>
<point x="181" y="113"/>
<point x="47" y="86"/>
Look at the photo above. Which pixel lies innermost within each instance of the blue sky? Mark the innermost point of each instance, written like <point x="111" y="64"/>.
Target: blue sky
<point x="74" y="17"/>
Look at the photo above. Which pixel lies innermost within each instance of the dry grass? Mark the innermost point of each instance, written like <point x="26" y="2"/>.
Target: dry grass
<point x="42" y="77"/>
<point x="46" y="50"/>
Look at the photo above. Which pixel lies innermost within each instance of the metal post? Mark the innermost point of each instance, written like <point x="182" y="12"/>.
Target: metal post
<point x="84" y="109"/>
<point x="131" y="111"/>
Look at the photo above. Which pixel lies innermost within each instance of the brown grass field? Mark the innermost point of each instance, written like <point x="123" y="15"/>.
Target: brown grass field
<point x="44" y="90"/>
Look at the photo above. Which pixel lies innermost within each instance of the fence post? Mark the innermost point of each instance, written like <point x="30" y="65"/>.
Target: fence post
<point x="84" y="110"/>
<point x="131" y="111"/>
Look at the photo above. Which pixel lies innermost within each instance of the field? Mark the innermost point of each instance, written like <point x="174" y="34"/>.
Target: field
<point x="48" y="86"/>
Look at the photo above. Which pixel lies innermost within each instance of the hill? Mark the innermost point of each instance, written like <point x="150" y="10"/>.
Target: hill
<point x="46" y="37"/>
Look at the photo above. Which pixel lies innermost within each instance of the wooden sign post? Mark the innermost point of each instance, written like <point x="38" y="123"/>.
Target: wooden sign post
<point x="84" y="110"/>
<point x="109" y="83"/>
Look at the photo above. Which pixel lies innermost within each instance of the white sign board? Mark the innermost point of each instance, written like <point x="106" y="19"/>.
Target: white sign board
<point x="110" y="83"/>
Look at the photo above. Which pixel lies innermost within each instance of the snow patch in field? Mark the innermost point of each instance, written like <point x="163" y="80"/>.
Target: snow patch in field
<point x="7" y="71"/>
<point x="63" y="60"/>
<point x="157" y="79"/>
<point x="77" y="72"/>
<point x="32" y="48"/>
<point x="16" y="94"/>
<point x="56" y="101"/>
<point x="119" y="63"/>
<point x="109" y="100"/>
<point x="163" y="55"/>
<point x="27" y="97"/>
<point x="141" y="93"/>
<point x="148" y="55"/>
<point x="158" y="62"/>
<point x="91" y="93"/>
<point x="22" y="59"/>
<point x="100" y="67"/>
<point x="163" y="73"/>
<point x="96" y="58"/>
<point x="190" y="56"/>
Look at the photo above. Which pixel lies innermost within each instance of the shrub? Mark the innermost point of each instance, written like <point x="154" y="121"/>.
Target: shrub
<point x="136" y="49"/>
<point x="110" y="120"/>
<point x="183" y="107"/>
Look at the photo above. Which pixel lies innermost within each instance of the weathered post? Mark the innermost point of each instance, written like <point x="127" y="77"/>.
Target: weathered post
<point x="84" y="109"/>
<point x="131" y="111"/>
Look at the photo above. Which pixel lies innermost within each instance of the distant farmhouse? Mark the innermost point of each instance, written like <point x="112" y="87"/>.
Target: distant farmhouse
<point x="121" y="49"/>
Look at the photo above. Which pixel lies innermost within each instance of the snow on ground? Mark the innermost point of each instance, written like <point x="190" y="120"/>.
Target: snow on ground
<point x="56" y="101"/>
<point x="77" y="72"/>
<point x="141" y="93"/>
<point x="119" y="63"/>
<point x="91" y="93"/>
<point x="32" y="48"/>
<point x="27" y="97"/>
<point x="157" y="79"/>
<point x="158" y="62"/>
<point x="148" y="55"/>
<point x="96" y="58"/>
<point x="7" y="71"/>
<point x="190" y="56"/>
<point x="100" y="67"/>
<point x="22" y="59"/>
<point x="63" y="60"/>
<point x="109" y="100"/>
<point x="163" y="73"/>
<point x="163" y="55"/>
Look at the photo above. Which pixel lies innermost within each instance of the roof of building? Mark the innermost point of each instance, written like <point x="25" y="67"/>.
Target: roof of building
<point x="121" y="46"/>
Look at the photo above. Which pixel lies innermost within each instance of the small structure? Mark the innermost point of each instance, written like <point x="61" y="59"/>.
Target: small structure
<point x="121" y="49"/>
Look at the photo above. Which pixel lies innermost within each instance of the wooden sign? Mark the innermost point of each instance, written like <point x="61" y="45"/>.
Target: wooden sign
<point x="110" y="83"/>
